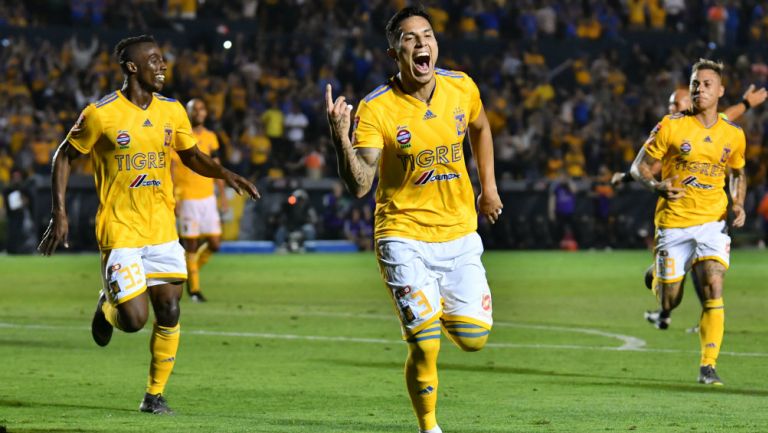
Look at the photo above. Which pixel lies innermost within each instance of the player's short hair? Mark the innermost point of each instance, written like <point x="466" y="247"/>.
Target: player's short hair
<point x="122" y="49"/>
<point x="393" y="25"/>
<point x="712" y="65"/>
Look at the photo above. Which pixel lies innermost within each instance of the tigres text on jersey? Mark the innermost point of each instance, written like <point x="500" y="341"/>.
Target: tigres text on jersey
<point x="424" y="190"/>
<point x="700" y="158"/>
<point x="129" y="149"/>
<point x="188" y="184"/>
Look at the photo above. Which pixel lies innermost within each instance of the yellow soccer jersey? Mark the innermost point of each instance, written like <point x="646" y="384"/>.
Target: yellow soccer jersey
<point x="190" y="185"/>
<point x="424" y="190"/>
<point x="129" y="149"/>
<point x="700" y="158"/>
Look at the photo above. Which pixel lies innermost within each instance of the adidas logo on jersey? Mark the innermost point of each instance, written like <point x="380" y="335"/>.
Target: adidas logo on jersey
<point x="429" y="115"/>
<point x="147" y="124"/>
<point x="707" y="139"/>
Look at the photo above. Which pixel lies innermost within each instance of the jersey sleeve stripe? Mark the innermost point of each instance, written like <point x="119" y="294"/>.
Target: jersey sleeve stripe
<point x="164" y="98"/>
<point x="447" y="73"/>
<point x="378" y="92"/>
<point x="106" y="100"/>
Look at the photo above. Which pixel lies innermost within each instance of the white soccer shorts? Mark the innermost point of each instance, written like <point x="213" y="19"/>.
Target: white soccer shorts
<point x="436" y="280"/>
<point x="127" y="272"/>
<point x="678" y="249"/>
<point x="199" y="217"/>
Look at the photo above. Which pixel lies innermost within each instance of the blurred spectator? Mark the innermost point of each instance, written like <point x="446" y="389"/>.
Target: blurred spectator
<point x="336" y="205"/>
<point x="358" y="230"/>
<point x="295" y="223"/>
<point x="17" y="196"/>
<point x="562" y="207"/>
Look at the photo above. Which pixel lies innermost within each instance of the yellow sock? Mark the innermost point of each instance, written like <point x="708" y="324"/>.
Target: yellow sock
<point x="203" y="255"/>
<point x="466" y="336"/>
<point x="655" y="286"/>
<point x="711" y="328"/>
<point x="163" y="346"/>
<point x="111" y="313"/>
<point x="421" y="375"/>
<point x="193" y="276"/>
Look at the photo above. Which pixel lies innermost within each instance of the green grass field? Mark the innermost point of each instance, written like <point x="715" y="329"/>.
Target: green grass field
<point x="309" y="343"/>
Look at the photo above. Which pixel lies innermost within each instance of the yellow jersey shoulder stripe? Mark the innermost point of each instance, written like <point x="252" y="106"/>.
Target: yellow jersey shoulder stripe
<point x="384" y="88"/>
<point x="106" y="100"/>
<point x="164" y="98"/>
<point x="449" y="73"/>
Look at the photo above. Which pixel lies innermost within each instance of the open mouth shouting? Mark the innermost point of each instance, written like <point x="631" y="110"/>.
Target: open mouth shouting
<point x="422" y="63"/>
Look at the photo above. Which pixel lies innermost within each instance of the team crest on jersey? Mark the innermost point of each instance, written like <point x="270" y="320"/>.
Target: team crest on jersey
<point x="726" y="153"/>
<point x="461" y="121"/>
<point x="123" y="139"/>
<point x="403" y="137"/>
<point x="168" y="135"/>
<point x="685" y="148"/>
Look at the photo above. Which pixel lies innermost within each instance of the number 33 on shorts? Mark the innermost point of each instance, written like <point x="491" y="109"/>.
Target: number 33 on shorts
<point x="125" y="281"/>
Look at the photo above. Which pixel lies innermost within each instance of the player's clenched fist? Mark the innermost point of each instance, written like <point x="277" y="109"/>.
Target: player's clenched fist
<point x="339" y="114"/>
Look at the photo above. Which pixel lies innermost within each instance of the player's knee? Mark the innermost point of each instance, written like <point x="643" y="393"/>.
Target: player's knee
<point x="167" y="310"/>
<point x="467" y="336"/>
<point x="471" y="344"/>
<point x="132" y="322"/>
<point x="424" y="348"/>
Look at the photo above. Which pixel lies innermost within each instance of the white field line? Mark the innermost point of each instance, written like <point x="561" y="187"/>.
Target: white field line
<point x="202" y="332"/>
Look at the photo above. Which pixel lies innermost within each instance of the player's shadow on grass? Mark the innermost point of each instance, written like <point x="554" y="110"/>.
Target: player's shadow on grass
<point x="18" y="403"/>
<point x="37" y="344"/>
<point x="685" y="387"/>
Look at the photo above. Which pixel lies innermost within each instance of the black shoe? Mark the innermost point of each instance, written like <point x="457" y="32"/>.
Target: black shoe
<point x="155" y="404"/>
<point x="101" y="329"/>
<point x="197" y="297"/>
<point x="649" y="278"/>
<point x="708" y="376"/>
<point x="654" y="318"/>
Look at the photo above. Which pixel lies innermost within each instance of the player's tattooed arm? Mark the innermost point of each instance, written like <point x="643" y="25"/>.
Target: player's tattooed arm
<point x="58" y="227"/>
<point x="738" y="189"/>
<point x="644" y="170"/>
<point x="357" y="167"/>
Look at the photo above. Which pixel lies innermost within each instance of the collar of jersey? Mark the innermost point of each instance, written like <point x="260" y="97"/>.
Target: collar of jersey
<point x="128" y="101"/>
<point x="412" y="99"/>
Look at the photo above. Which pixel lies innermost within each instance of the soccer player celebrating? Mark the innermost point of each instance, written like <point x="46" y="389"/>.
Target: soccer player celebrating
<point x="680" y="101"/>
<point x="199" y="223"/>
<point x="411" y="129"/>
<point x="128" y="135"/>
<point x="697" y="149"/>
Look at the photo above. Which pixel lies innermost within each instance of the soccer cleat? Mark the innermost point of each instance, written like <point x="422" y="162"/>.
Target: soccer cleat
<point x="197" y="297"/>
<point x="435" y="429"/>
<point x="654" y="318"/>
<point x="155" y="404"/>
<point x="708" y="376"/>
<point x="101" y="329"/>
<point x="693" y="329"/>
<point x="649" y="278"/>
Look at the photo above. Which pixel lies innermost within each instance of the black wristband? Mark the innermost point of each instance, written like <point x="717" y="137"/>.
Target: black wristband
<point x="746" y="104"/>
<point x="627" y="178"/>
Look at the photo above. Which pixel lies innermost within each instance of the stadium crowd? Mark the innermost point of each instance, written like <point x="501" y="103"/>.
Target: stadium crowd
<point x="559" y="110"/>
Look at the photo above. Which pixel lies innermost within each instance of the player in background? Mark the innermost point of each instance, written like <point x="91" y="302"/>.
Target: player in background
<point x="411" y="130"/>
<point x="680" y="101"/>
<point x="697" y="150"/>
<point x="196" y="211"/>
<point x="127" y="135"/>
